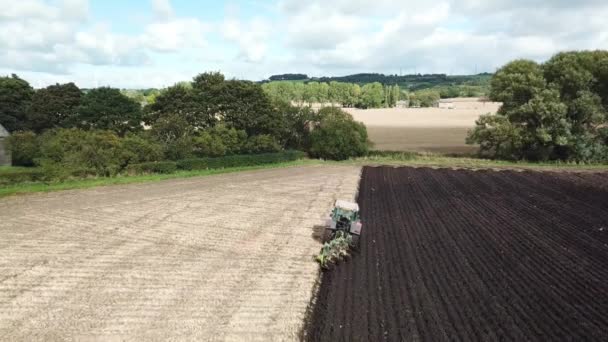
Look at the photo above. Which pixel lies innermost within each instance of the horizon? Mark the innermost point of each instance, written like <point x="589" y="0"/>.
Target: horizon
<point x="156" y="43"/>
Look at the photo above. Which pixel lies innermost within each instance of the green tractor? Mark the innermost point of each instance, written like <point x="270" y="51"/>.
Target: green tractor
<point x="342" y="232"/>
<point x="344" y="218"/>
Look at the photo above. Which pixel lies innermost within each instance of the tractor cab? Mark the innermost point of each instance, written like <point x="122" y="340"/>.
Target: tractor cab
<point x="345" y="217"/>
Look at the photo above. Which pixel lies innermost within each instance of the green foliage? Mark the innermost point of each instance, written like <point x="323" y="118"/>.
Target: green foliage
<point x="244" y="106"/>
<point x="163" y="167"/>
<point x="372" y="96"/>
<point x="424" y="98"/>
<point x="139" y="149"/>
<point x="298" y="120"/>
<point x="497" y="136"/>
<point x="239" y="160"/>
<point x="24" y="148"/>
<point x="263" y="143"/>
<point x="15" y="97"/>
<point x="219" y="141"/>
<point x="108" y="109"/>
<point x="54" y="107"/>
<point x="72" y="152"/>
<point x="175" y="135"/>
<point x="16" y="175"/>
<point x="337" y="136"/>
<point x="553" y="111"/>
<point x="178" y="100"/>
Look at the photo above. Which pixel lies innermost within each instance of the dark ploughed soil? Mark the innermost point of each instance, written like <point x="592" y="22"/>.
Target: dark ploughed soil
<point x="472" y="255"/>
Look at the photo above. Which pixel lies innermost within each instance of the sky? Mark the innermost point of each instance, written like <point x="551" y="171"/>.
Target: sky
<point x="156" y="43"/>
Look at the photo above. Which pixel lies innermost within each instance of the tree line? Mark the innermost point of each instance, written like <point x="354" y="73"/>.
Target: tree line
<point x="551" y="111"/>
<point x="373" y="95"/>
<point x="479" y="83"/>
<point x="101" y="131"/>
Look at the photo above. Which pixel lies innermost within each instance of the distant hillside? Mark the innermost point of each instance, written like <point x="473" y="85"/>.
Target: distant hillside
<point x="409" y="82"/>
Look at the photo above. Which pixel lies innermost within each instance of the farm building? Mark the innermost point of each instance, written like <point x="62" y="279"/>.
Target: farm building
<point x="5" y="157"/>
<point x="402" y="104"/>
<point x="445" y="104"/>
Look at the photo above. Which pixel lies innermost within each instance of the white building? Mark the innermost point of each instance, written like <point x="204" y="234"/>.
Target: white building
<point x="5" y="156"/>
<point x="445" y="104"/>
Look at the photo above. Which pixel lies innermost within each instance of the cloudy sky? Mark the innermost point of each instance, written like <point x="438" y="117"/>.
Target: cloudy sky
<point x="154" y="43"/>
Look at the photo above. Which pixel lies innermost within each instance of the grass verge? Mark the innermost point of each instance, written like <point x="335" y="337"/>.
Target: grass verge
<point x="24" y="188"/>
<point x="437" y="160"/>
<point x="377" y="158"/>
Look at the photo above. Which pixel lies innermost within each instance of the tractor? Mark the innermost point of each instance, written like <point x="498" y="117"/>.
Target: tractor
<point x="344" y="219"/>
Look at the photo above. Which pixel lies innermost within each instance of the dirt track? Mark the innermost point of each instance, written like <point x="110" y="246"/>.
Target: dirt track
<point x="225" y="257"/>
<point x="472" y="255"/>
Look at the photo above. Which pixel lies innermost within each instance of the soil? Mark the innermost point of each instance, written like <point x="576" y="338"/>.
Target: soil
<point x="219" y="258"/>
<point x="471" y="255"/>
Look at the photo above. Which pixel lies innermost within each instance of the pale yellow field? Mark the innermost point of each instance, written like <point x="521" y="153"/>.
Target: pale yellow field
<point x="424" y="129"/>
<point x="219" y="258"/>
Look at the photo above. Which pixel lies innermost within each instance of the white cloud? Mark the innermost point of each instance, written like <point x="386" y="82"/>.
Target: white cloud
<point x="174" y="34"/>
<point x="162" y="9"/>
<point x="251" y="37"/>
<point x="54" y="36"/>
<point x="442" y="36"/>
<point x="317" y="37"/>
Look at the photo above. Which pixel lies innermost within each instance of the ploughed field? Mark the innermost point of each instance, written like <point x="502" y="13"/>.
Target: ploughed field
<point x="218" y="258"/>
<point x="472" y="255"/>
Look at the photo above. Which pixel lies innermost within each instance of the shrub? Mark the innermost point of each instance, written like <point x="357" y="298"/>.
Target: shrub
<point x="20" y="175"/>
<point x="175" y="134"/>
<point x="24" y="148"/>
<point x="137" y="149"/>
<point x="239" y="160"/>
<point x="152" y="167"/>
<point x="74" y="152"/>
<point x="219" y="141"/>
<point x="262" y="144"/>
<point x="337" y="136"/>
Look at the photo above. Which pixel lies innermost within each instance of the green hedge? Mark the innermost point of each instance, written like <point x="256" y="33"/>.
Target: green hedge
<point x="152" y="167"/>
<point x="239" y="160"/>
<point x="20" y="175"/>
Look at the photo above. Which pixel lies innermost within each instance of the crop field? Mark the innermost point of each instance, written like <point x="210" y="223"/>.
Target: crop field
<point x="472" y="255"/>
<point x="226" y="258"/>
<point x="424" y="129"/>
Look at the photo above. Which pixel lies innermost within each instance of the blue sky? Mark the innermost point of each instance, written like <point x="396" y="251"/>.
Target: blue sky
<point x="155" y="43"/>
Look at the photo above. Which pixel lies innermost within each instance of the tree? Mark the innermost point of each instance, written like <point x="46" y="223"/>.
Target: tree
<point x="516" y="83"/>
<point x="337" y="136"/>
<point x="24" y="147"/>
<point x="372" y="95"/>
<point x="15" y="98"/>
<point x="553" y="111"/>
<point x="298" y="121"/>
<point x="242" y="105"/>
<point x="175" y="134"/>
<point x="53" y="107"/>
<point x="108" y="109"/>
<point x="179" y="100"/>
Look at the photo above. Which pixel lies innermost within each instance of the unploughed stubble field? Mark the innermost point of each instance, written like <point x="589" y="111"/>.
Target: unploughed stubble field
<point x="220" y="258"/>
<point x="424" y="129"/>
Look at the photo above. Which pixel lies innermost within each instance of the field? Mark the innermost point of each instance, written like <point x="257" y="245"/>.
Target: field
<point x="423" y="129"/>
<point x="226" y="257"/>
<point x="472" y="255"/>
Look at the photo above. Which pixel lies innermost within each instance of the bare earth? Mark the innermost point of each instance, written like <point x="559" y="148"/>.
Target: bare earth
<point x="222" y="258"/>
<point x="424" y="129"/>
